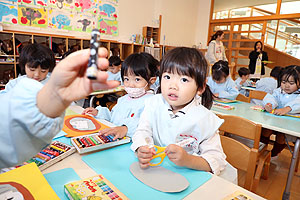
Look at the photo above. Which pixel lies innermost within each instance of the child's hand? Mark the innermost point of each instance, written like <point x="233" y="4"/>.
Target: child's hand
<point x="145" y="154"/>
<point x="90" y="111"/>
<point x="216" y="95"/>
<point x="68" y="82"/>
<point x="282" y="111"/>
<point x="118" y="132"/>
<point x="268" y="107"/>
<point x="176" y="154"/>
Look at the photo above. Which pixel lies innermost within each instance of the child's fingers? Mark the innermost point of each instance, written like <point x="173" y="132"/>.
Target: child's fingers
<point x="104" y="131"/>
<point x="144" y="165"/>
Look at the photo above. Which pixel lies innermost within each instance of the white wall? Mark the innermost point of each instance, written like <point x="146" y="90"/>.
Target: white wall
<point x="184" y="23"/>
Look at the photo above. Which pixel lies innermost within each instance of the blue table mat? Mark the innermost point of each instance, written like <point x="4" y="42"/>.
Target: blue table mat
<point x="114" y="165"/>
<point x="59" y="178"/>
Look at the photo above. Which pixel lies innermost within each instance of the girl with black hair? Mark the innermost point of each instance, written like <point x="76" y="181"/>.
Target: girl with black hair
<point x="138" y="73"/>
<point x="181" y="111"/>
<point x="284" y="100"/>
<point x="220" y="83"/>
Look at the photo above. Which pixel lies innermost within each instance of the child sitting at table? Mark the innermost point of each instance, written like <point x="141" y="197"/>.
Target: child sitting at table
<point x="114" y="69"/>
<point x="220" y="83"/>
<point x="36" y="61"/>
<point x="181" y="111"/>
<point x="138" y="74"/>
<point x="268" y="84"/>
<point x="284" y="100"/>
<point x="244" y="74"/>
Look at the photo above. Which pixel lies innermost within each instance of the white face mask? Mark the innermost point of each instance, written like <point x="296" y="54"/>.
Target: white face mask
<point x="136" y="92"/>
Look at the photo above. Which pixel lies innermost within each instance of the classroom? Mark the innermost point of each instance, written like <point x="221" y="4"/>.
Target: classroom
<point x="162" y="99"/>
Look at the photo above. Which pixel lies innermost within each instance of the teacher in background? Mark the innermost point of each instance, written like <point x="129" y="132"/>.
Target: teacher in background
<point x="256" y="64"/>
<point x="216" y="50"/>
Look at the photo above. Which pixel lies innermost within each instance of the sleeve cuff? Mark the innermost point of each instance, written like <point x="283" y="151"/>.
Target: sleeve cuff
<point x="215" y="166"/>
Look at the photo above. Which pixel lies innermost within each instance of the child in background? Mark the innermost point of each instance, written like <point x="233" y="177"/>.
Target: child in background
<point x="284" y="100"/>
<point x="178" y="113"/>
<point x="243" y="80"/>
<point x="221" y="84"/>
<point x="36" y="61"/>
<point x="268" y="84"/>
<point x="138" y="74"/>
<point x="114" y="68"/>
<point x="32" y="114"/>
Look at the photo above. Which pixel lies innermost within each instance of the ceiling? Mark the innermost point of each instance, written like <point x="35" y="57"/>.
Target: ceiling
<point x="220" y="5"/>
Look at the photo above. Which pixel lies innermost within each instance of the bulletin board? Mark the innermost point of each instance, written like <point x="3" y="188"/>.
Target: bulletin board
<point x="70" y="15"/>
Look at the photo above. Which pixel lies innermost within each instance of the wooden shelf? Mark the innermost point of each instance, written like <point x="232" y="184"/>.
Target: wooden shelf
<point x="66" y="42"/>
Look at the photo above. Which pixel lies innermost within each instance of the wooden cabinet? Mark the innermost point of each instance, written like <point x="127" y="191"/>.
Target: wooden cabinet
<point x="151" y="32"/>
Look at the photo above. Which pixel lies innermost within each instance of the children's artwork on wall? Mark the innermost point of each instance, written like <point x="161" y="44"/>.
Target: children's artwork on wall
<point x="42" y="3"/>
<point x="59" y="19"/>
<point x="31" y="16"/>
<point x="62" y="4"/>
<point x="8" y="13"/>
<point x="85" y="5"/>
<point x="71" y="15"/>
<point x="84" y="23"/>
<point x="108" y="18"/>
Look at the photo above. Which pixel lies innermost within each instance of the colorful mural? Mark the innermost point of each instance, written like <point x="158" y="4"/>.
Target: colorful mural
<point x="72" y="15"/>
<point x="8" y="13"/>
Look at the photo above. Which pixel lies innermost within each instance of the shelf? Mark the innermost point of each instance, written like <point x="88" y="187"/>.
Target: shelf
<point x="7" y="63"/>
<point x="61" y="44"/>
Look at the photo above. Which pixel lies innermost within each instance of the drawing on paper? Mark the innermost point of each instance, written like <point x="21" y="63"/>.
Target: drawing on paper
<point x="60" y="20"/>
<point x="85" y="23"/>
<point x="8" y="13"/>
<point x="85" y="5"/>
<point x="108" y="18"/>
<point x="62" y="4"/>
<point x="28" y="16"/>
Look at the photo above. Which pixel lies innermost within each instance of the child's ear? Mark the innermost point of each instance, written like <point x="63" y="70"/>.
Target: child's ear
<point x="201" y="90"/>
<point x="152" y="80"/>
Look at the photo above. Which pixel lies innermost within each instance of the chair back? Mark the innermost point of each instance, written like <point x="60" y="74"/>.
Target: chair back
<point x="256" y="94"/>
<point x="243" y="98"/>
<point x="241" y="127"/>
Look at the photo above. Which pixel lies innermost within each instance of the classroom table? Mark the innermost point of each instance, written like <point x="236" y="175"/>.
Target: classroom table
<point x="103" y="92"/>
<point x="284" y="124"/>
<point x="206" y="191"/>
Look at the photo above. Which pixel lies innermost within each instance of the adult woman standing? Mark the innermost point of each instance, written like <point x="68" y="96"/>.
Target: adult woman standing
<point x="256" y="64"/>
<point x="216" y="50"/>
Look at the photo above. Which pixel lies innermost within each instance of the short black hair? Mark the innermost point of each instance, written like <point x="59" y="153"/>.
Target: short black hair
<point x="260" y="44"/>
<point x="219" y="70"/>
<point x="141" y="64"/>
<point x="243" y="71"/>
<point x="35" y="55"/>
<point x="291" y="71"/>
<point x="189" y="62"/>
<point x="276" y="71"/>
<point x="114" y="61"/>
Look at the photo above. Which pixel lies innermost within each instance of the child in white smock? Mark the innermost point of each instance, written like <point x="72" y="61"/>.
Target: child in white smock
<point x="181" y="111"/>
<point x="138" y="74"/>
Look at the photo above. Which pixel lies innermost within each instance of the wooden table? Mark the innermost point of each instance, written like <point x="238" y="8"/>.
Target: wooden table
<point x="287" y="125"/>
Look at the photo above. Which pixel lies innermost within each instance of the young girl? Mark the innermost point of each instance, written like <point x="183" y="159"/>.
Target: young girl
<point x="177" y="114"/>
<point x="220" y="83"/>
<point x="138" y="74"/>
<point x="36" y="61"/>
<point x="285" y="99"/>
<point x="216" y="50"/>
